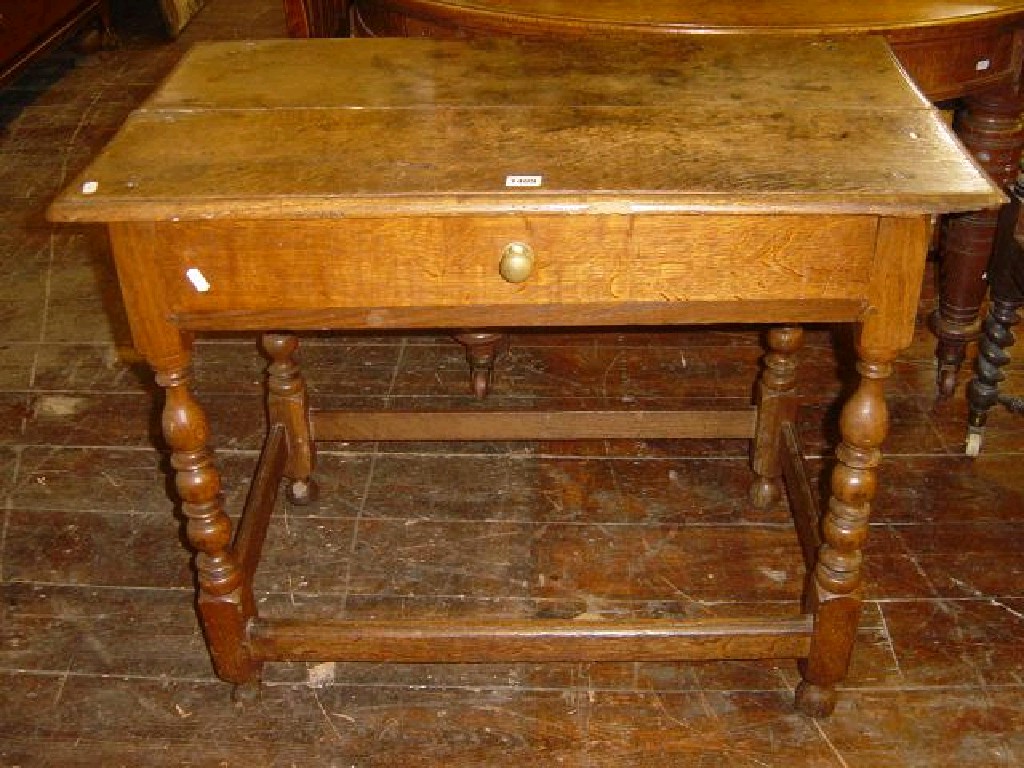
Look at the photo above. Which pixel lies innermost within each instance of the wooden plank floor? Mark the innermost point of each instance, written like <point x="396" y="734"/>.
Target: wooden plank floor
<point x="101" y="662"/>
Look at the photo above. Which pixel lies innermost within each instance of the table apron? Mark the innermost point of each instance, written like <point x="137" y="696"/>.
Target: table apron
<point x="444" y="271"/>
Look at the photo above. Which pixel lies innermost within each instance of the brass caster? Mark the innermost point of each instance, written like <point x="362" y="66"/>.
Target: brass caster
<point x="946" y="380"/>
<point x="481" y="382"/>
<point x="482" y="350"/>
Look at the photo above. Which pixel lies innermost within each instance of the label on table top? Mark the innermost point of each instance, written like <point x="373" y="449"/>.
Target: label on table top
<point x="198" y="279"/>
<point x="524" y="181"/>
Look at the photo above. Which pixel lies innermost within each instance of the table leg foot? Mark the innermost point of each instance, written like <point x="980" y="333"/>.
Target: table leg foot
<point x="302" y="493"/>
<point x="815" y="700"/>
<point x="764" y="492"/>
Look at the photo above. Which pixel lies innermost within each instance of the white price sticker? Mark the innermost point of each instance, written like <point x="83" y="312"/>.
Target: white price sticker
<point x="524" y="181"/>
<point x="198" y="279"/>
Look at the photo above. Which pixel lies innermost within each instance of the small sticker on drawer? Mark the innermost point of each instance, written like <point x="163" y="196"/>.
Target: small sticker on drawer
<point x="198" y="280"/>
<point x="524" y="181"/>
<point x="982" y="65"/>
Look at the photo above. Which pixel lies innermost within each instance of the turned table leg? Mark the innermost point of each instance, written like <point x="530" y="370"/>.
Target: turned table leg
<point x="991" y="127"/>
<point x="834" y="590"/>
<point x="776" y="404"/>
<point x="1006" y="279"/>
<point x="225" y="600"/>
<point x="993" y="354"/>
<point x="288" y="405"/>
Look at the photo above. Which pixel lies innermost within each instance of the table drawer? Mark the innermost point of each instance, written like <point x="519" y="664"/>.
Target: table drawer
<point x="453" y="262"/>
<point x="952" y="67"/>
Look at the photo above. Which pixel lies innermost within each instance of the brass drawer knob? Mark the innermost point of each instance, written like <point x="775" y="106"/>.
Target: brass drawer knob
<point x="516" y="262"/>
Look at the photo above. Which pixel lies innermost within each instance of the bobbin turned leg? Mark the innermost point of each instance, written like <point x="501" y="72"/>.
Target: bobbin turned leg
<point x="225" y="600"/>
<point x="482" y="350"/>
<point x="776" y="405"/>
<point x="991" y="127"/>
<point x="288" y="405"/>
<point x="834" y="589"/>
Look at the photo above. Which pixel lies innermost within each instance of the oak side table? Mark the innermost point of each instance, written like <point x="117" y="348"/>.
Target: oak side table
<point x="496" y="184"/>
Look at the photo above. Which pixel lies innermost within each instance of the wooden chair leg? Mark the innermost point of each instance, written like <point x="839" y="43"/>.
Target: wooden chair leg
<point x="288" y="405"/>
<point x="776" y="402"/>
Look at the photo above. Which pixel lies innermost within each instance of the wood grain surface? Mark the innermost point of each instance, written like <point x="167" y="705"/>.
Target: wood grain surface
<point x="737" y="16"/>
<point x="448" y="261"/>
<point x="950" y="49"/>
<point x="670" y="137"/>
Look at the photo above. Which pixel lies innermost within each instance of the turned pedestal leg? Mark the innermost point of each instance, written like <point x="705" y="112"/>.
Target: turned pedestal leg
<point x="482" y="350"/>
<point x="225" y="599"/>
<point x="834" y="588"/>
<point x="288" y="405"/>
<point x="776" y="401"/>
<point x="991" y="127"/>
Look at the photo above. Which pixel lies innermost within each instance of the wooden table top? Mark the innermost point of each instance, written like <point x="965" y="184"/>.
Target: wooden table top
<point x="711" y="124"/>
<point x="739" y="16"/>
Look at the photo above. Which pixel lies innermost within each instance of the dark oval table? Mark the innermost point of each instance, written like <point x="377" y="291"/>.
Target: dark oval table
<point x="969" y="54"/>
